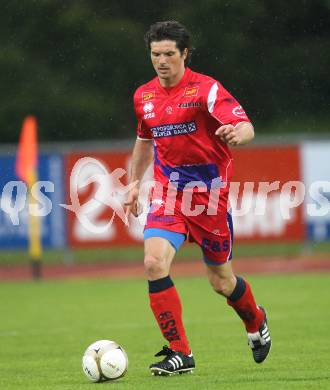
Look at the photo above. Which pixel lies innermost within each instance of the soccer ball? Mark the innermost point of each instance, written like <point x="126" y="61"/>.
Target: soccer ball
<point x="104" y="360"/>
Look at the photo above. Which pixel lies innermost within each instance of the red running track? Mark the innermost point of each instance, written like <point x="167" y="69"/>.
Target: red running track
<point x="124" y="270"/>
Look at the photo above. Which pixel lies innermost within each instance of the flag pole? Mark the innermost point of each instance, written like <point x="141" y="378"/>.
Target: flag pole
<point x="35" y="250"/>
<point x="26" y="170"/>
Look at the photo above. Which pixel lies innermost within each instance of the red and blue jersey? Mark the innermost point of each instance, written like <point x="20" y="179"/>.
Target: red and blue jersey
<point x="182" y="121"/>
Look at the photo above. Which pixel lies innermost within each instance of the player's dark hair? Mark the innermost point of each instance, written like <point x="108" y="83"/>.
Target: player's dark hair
<point x="169" y="30"/>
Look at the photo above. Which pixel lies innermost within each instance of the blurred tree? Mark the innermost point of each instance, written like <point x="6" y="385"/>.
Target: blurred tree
<point x="273" y="55"/>
<point x="75" y="63"/>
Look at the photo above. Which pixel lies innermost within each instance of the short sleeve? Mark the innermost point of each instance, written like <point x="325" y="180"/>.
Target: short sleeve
<point x="224" y="107"/>
<point x="141" y="130"/>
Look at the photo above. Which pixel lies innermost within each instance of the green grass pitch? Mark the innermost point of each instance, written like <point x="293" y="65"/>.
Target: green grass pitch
<point x="46" y="326"/>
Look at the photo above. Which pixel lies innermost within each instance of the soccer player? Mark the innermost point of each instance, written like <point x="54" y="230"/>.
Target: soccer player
<point x="186" y="123"/>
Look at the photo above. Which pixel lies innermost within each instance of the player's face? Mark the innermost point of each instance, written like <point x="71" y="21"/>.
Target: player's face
<point x="168" y="61"/>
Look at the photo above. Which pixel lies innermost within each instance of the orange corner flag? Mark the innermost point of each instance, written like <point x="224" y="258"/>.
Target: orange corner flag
<point x="27" y="154"/>
<point x="26" y="170"/>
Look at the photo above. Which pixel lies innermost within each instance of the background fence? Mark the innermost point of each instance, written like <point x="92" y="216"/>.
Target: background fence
<point x="292" y="182"/>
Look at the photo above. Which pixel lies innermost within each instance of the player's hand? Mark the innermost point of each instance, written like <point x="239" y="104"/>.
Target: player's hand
<point x="228" y="135"/>
<point x="132" y="204"/>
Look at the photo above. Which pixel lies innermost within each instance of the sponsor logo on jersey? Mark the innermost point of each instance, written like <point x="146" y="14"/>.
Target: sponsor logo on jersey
<point x="174" y="129"/>
<point x="191" y="91"/>
<point x="148" y="107"/>
<point x="190" y="105"/>
<point x="238" y="111"/>
<point x="149" y="115"/>
<point x="149" y="95"/>
<point x="169" y="110"/>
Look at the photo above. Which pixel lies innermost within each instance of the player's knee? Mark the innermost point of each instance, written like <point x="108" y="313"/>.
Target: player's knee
<point x="154" y="265"/>
<point x="222" y="286"/>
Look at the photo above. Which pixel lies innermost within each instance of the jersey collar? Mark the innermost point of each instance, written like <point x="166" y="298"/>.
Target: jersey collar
<point x="177" y="87"/>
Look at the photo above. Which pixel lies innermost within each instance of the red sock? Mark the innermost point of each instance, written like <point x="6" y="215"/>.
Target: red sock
<point x="247" y="309"/>
<point x="167" y="309"/>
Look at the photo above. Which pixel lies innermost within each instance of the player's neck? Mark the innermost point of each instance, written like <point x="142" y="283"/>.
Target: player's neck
<point x="173" y="81"/>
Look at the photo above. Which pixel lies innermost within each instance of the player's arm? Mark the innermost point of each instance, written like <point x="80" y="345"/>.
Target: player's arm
<point x="240" y="134"/>
<point x="237" y="128"/>
<point x="141" y="158"/>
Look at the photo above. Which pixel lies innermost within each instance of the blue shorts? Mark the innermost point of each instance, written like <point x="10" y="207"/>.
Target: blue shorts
<point x="176" y="239"/>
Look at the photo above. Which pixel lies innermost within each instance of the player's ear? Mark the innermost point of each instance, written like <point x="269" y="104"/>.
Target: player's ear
<point x="185" y="53"/>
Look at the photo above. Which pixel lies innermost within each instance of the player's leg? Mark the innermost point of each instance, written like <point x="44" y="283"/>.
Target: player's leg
<point x="160" y="248"/>
<point x="240" y="297"/>
<point x="238" y="293"/>
<point x="214" y="234"/>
